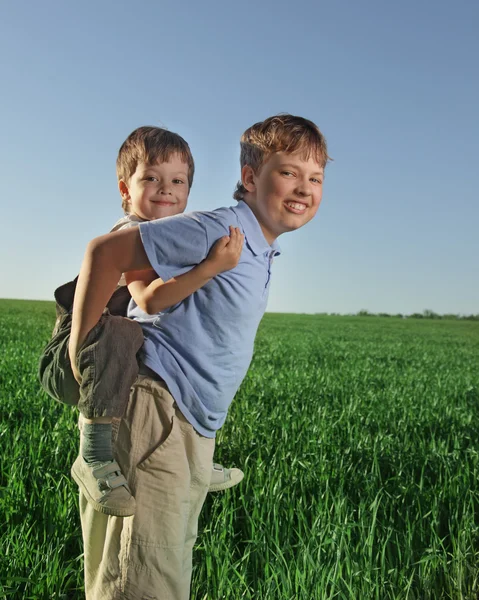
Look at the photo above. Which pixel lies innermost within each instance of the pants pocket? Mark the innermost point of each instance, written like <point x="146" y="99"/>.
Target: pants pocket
<point x="162" y="489"/>
<point x="153" y="460"/>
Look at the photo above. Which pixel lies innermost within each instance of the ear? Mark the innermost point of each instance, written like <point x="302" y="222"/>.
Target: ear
<point x="124" y="191"/>
<point x="247" y="178"/>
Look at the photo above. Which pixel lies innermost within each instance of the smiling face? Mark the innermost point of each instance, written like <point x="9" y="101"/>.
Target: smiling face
<point x="285" y="194"/>
<point x="157" y="190"/>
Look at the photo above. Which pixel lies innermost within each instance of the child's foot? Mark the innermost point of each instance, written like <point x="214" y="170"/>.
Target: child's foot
<point x="222" y="478"/>
<point x="104" y="486"/>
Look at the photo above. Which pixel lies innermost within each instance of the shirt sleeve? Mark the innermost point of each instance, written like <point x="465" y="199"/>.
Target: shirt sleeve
<point x="175" y="244"/>
<point x="128" y="225"/>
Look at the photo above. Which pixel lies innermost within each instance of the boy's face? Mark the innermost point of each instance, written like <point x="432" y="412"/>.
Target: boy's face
<point x="285" y="194"/>
<point x="157" y="190"/>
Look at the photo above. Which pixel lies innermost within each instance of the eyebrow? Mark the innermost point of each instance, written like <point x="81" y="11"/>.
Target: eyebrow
<point x="297" y="167"/>
<point x="152" y="167"/>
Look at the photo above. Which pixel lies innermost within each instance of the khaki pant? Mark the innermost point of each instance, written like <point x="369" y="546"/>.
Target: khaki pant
<point x="168" y="466"/>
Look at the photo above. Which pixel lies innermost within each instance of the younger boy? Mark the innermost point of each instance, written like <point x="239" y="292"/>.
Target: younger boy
<point x="155" y="171"/>
<point x="194" y="358"/>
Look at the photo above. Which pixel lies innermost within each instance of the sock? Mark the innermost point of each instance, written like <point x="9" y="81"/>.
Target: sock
<point x="95" y="442"/>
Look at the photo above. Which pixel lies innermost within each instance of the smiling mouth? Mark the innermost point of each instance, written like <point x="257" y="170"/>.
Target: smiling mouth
<point x="297" y="208"/>
<point x="163" y="203"/>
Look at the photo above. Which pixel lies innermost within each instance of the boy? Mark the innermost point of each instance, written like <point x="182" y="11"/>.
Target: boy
<point x="193" y="360"/>
<point x="155" y="172"/>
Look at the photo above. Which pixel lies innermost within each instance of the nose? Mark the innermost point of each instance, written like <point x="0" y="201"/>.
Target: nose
<point x="164" y="188"/>
<point x="303" y="187"/>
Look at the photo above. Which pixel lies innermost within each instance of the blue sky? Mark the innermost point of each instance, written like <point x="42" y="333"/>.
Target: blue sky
<point x="393" y="86"/>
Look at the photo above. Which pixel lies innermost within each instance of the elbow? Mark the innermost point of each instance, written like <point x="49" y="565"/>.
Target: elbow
<point x="142" y="302"/>
<point x="152" y="308"/>
<point x="149" y="306"/>
<point x="146" y="307"/>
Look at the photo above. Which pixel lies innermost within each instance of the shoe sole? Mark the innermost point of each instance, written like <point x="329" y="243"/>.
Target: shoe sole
<point x="106" y="510"/>
<point x="219" y="487"/>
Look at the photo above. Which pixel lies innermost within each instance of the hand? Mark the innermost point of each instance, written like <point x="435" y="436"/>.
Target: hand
<point x="73" y="354"/>
<point x="226" y="252"/>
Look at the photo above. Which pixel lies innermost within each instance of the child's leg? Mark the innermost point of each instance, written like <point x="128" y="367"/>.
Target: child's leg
<point x="108" y="366"/>
<point x="54" y="369"/>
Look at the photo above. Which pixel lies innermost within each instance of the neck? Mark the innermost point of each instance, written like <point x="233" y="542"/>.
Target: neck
<point x="250" y="200"/>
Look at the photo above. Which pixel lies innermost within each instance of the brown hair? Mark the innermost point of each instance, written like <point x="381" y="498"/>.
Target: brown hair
<point x="281" y="133"/>
<point x="151" y="145"/>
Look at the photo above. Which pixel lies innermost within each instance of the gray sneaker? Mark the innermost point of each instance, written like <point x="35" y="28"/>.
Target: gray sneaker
<point x="104" y="486"/>
<point x="222" y="478"/>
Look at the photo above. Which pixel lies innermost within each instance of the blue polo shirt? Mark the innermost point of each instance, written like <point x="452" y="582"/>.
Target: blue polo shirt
<point x="202" y="347"/>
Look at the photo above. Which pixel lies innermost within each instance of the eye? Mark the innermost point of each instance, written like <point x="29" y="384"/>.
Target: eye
<point x="178" y="181"/>
<point x="287" y="173"/>
<point x="315" y="180"/>
<point x="151" y="178"/>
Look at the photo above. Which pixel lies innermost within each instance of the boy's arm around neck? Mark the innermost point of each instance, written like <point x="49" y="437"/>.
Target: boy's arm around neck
<point x="106" y="258"/>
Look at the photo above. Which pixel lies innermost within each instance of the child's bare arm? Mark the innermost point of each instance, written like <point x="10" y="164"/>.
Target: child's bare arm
<point x="106" y="258"/>
<point x="154" y="295"/>
<point x="141" y="284"/>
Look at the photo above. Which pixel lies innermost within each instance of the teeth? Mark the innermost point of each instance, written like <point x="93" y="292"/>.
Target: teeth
<point x="296" y="205"/>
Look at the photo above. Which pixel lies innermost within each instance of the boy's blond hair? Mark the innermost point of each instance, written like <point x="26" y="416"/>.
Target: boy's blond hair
<point x="151" y="145"/>
<point x="281" y="133"/>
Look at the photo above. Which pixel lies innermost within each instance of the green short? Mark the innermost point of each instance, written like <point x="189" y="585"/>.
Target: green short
<point x="107" y="360"/>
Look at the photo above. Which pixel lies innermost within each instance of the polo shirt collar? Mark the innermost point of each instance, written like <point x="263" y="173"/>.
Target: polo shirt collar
<point x="254" y="235"/>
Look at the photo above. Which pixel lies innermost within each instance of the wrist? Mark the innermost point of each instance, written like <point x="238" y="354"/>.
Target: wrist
<point x="207" y="269"/>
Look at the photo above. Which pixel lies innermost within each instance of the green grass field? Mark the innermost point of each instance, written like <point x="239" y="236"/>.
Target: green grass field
<point x="359" y="438"/>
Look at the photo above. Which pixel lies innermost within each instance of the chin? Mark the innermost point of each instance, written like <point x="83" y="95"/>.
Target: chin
<point x="162" y="215"/>
<point x="292" y="227"/>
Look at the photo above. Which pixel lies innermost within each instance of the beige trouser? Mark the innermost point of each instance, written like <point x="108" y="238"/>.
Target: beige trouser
<point x="168" y="466"/>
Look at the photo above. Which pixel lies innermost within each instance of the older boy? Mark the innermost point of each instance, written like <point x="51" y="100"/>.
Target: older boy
<point x="193" y="360"/>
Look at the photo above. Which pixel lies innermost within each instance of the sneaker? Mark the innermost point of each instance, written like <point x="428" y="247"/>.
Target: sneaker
<point x="104" y="486"/>
<point x="222" y="479"/>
